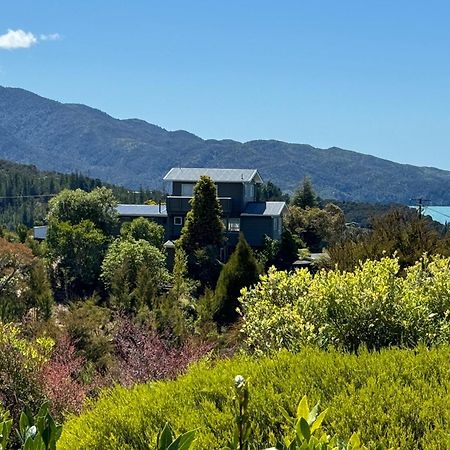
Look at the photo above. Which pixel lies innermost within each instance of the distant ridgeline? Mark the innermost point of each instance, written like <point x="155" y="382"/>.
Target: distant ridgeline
<point x="25" y="192"/>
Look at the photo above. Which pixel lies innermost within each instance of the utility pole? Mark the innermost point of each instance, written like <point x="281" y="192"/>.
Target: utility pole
<point x="421" y="203"/>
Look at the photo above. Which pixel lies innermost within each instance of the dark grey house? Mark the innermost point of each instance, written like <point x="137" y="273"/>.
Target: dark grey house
<point x="237" y="193"/>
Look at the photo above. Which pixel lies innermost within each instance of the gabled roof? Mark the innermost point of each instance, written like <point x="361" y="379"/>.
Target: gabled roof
<point x="141" y="210"/>
<point x="193" y="174"/>
<point x="270" y="209"/>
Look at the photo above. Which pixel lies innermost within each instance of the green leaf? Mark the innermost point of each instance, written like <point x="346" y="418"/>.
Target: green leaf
<point x="355" y="441"/>
<point x="303" y="429"/>
<point x="313" y="414"/>
<point x="165" y="438"/>
<point x="183" y="442"/>
<point x="318" y="422"/>
<point x="303" y="408"/>
<point x="24" y="424"/>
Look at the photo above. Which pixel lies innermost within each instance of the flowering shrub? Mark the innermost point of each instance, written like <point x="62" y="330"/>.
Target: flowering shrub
<point x="60" y="378"/>
<point x="142" y="354"/>
<point x="372" y="306"/>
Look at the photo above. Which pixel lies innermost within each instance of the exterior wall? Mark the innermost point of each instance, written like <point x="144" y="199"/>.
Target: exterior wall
<point x="254" y="229"/>
<point x="236" y="192"/>
<point x="233" y="190"/>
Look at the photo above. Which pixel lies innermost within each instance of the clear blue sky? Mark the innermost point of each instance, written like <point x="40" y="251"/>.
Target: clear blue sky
<point x="371" y="76"/>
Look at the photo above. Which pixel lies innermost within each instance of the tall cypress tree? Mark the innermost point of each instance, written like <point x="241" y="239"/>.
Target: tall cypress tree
<point x="240" y="271"/>
<point x="203" y="226"/>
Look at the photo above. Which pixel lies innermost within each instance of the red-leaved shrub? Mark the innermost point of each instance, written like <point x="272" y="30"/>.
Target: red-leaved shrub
<point x="60" y="378"/>
<point x="142" y="354"/>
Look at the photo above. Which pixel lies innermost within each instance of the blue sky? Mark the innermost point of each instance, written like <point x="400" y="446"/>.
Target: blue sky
<point x="371" y="76"/>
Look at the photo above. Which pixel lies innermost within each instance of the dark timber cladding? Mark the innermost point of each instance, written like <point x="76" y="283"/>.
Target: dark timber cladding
<point x="237" y="194"/>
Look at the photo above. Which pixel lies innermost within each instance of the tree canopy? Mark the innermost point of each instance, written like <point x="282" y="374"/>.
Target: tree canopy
<point x="305" y="196"/>
<point x="241" y="270"/>
<point x="203" y="226"/>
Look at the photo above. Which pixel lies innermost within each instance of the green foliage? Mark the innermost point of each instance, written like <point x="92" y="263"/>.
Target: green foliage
<point x="40" y="291"/>
<point x="203" y="226"/>
<point x="315" y="227"/>
<point x="400" y="232"/>
<point x="142" y="228"/>
<point x="16" y="264"/>
<point x="35" y="433"/>
<point x="135" y="272"/>
<point x="167" y="440"/>
<point x="242" y="431"/>
<point x="271" y="192"/>
<point x="241" y="270"/>
<point x="20" y="364"/>
<point x="5" y="429"/>
<point x="304" y="196"/>
<point x="40" y="432"/>
<point x="77" y="252"/>
<point x="371" y="306"/>
<point x="75" y="206"/>
<point x="89" y="326"/>
<point x="18" y="182"/>
<point x="395" y="398"/>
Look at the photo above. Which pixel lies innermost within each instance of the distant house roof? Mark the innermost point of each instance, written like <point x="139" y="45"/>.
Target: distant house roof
<point x="264" y="209"/>
<point x="193" y="174"/>
<point x="141" y="210"/>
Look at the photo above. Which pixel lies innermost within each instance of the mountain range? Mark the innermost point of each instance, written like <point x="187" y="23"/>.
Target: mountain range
<point x="76" y="138"/>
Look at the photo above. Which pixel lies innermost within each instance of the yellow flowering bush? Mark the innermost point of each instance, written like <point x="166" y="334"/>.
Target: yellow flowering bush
<point x="371" y="306"/>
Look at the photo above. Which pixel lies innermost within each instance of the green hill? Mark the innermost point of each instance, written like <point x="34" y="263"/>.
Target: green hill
<point x="76" y="138"/>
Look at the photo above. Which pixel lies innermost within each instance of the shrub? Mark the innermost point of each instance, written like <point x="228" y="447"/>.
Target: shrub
<point x="398" y="398"/>
<point x="240" y="270"/>
<point x="371" y="306"/>
<point x="20" y="363"/>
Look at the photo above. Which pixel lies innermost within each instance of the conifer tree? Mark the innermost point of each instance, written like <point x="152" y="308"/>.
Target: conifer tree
<point x="203" y="226"/>
<point x="240" y="271"/>
<point x="304" y="196"/>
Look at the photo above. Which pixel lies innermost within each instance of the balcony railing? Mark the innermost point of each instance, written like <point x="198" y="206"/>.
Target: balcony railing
<point x="178" y="205"/>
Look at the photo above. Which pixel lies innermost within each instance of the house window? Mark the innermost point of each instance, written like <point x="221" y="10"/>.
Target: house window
<point x="178" y="220"/>
<point x="249" y="191"/>
<point x="234" y="224"/>
<point x="277" y="224"/>
<point x="187" y="189"/>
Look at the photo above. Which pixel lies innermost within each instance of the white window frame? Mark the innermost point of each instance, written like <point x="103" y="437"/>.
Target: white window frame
<point x="234" y="225"/>
<point x="178" y="221"/>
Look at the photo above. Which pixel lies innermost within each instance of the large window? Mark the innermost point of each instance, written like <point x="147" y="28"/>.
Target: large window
<point x="187" y="189"/>
<point x="234" y="224"/>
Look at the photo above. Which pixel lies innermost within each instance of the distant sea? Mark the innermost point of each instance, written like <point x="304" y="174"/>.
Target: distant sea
<point x="438" y="213"/>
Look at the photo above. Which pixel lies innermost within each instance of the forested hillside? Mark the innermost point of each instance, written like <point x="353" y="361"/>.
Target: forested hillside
<point x="76" y="138"/>
<point x="25" y="191"/>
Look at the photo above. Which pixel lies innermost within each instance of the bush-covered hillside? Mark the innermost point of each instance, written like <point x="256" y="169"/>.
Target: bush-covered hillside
<point x="25" y="192"/>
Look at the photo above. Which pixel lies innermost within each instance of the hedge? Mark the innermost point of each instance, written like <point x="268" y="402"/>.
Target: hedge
<point x="397" y="397"/>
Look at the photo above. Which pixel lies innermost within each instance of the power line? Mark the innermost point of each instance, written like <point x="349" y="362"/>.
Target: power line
<point x="437" y="212"/>
<point x="26" y="196"/>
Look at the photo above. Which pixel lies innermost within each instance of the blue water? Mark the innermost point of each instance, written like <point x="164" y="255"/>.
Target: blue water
<point x="438" y="213"/>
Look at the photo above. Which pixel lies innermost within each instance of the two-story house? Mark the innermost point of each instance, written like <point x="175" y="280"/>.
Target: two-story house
<point x="237" y="193"/>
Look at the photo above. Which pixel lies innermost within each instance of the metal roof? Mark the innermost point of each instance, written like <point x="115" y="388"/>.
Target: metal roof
<point x="264" y="209"/>
<point x="193" y="174"/>
<point x="141" y="210"/>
